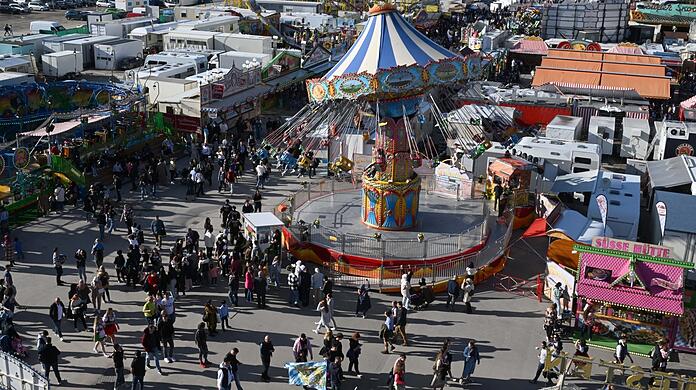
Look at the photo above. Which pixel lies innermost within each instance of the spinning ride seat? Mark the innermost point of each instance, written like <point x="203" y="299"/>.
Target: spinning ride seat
<point x="304" y="161"/>
<point x="343" y="164"/>
<point x="262" y="153"/>
<point x="287" y="159"/>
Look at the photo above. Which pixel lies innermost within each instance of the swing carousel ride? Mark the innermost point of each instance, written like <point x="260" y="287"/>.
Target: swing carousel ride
<point x="378" y="101"/>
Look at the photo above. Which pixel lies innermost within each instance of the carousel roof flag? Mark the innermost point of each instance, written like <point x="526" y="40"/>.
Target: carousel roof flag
<point x="386" y="42"/>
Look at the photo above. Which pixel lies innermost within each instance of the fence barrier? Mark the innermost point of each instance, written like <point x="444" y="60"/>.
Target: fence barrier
<point x="427" y="249"/>
<point x="16" y="374"/>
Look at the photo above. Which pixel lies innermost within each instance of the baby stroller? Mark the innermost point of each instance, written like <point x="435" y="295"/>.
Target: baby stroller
<point x="422" y="297"/>
<point x="562" y="326"/>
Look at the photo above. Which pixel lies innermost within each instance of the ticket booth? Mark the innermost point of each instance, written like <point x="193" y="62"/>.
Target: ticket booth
<point x="260" y="226"/>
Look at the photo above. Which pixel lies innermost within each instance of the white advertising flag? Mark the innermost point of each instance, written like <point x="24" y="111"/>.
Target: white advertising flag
<point x="603" y="208"/>
<point x="662" y="216"/>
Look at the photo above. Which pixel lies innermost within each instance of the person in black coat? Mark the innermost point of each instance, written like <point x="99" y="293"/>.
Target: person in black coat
<point x="48" y="356"/>
<point x="260" y="285"/>
<point x="353" y="354"/>
<point x="305" y="286"/>
<point x="266" y="351"/>
<point x="453" y="292"/>
<point x="57" y="312"/>
<point x="138" y="369"/>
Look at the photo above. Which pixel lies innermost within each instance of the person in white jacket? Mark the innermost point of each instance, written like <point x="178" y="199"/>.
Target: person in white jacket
<point x="324" y="316"/>
<point x="317" y="282"/>
<point x="225" y="377"/>
<point x="209" y="242"/>
<point x="406" y="289"/>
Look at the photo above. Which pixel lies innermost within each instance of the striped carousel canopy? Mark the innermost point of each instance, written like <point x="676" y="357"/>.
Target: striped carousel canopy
<point x="386" y="42"/>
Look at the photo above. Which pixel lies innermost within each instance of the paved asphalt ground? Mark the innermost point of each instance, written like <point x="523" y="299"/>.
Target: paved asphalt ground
<point x="20" y="23"/>
<point x="507" y="327"/>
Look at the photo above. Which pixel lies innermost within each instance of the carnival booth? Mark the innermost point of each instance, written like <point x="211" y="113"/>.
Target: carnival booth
<point x="685" y="328"/>
<point x="631" y="289"/>
<point x="260" y="226"/>
<point x="451" y="181"/>
<point x="514" y="175"/>
<point x="511" y="172"/>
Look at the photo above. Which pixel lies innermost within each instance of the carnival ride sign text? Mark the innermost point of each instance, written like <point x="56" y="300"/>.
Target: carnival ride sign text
<point x="632" y="247"/>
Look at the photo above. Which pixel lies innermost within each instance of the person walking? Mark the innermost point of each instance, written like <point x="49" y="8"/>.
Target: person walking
<point x="165" y="327"/>
<point x="158" y="230"/>
<point x="364" y="303"/>
<point x="81" y="264"/>
<point x="97" y="292"/>
<point x="233" y="288"/>
<point x="406" y="289"/>
<point x="302" y="348"/>
<point x="317" y="282"/>
<point x="117" y="358"/>
<point x="453" y="292"/>
<point x="294" y="285"/>
<point x="541" y="362"/>
<point x="101" y="223"/>
<point x="471" y="360"/>
<point x="224" y="313"/>
<point x="210" y="317"/>
<point x="399" y="373"/>
<point x="324" y="316"/>
<point x="110" y="324"/>
<point x="266" y="351"/>
<point x="330" y="302"/>
<point x="440" y="368"/>
<point x="152" y="344"/>
<point x="260" y="175"/>
<point x="621" y="351"/>
<point x="334" y="373"/>
<point x="260" y="287"/>
<point x="77" y="307"/>
<point x="386" y="333"/>
<point x="234" y="366"/>
<point x="249" y="285"/>
<point x="150" y="310"/>
<point x="98" y="252"/>
<point x="257" y="201"/>
<point x="48" y="356"/>
<point x="353" y="354"/>
<point x="400" y="321"/>
<point x="659" y="356"/>
<point x="57" y="311"/>
<point x="201" y="339"/>
<point x="468" y="293"/>
<point x="497" y="193"/>
<point x="99" y="335"/>
<point x="138" y="371"/>
<point x="224" y="375"/>
<point x="58" y="261"/>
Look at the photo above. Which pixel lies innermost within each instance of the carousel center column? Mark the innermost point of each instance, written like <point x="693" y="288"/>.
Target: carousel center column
<point x="390" y="186"/>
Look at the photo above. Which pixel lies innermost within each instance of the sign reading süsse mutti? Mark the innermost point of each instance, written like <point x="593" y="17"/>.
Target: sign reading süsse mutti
<point x="632" y="247"/>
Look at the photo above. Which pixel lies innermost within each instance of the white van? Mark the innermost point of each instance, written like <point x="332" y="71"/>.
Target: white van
<point x="45" y="25"/>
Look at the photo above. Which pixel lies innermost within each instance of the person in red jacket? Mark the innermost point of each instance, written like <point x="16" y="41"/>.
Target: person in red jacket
<point x="152" y="281"/>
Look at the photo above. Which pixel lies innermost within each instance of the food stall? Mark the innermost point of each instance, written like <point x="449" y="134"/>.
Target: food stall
<point x="685" y="327"/>
<point x="260" y="226"/>
<point x="630" y="293"/>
